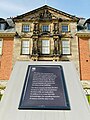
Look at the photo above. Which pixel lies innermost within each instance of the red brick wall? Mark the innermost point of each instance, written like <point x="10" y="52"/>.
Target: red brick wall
<point x="6" y="59"/>
<point x="84" y="55"/>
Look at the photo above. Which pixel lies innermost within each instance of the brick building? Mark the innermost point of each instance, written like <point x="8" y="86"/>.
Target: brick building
<point x="44" y="34"/>
<point x="6" y="48"/>
<point x="84" y="50"/>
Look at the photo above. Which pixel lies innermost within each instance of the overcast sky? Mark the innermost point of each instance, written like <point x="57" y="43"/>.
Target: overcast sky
<point x="12" y="8"/>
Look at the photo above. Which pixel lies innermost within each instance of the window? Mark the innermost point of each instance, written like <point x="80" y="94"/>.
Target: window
<point x="45" y="28"/>
<point x="2" y="26"/>
<point x="0" y="47"/>
<point x="45" y="47"/>
<point x="25" y="47"/>
<point x="65" y="47"/>
<point x="26" y="28"/>
<point x="64" y="28"/>
<point x="88" y="26"/>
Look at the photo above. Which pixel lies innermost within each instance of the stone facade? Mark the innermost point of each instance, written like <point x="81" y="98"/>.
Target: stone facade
<point x="55" y="19"/>
<point x="50" y="36"/>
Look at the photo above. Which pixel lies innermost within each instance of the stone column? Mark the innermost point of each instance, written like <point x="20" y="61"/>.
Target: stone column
<point x="55" y="46"/>
<point x="36" y="28"/>
<point x="58" y="42"/>
<point x="34" y="46"/>
<point x="56" y="28"/>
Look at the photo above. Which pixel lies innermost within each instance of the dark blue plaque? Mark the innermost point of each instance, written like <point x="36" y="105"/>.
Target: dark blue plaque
<point x="44" y="88"/>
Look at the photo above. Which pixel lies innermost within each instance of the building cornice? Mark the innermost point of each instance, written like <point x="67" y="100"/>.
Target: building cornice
<point x="11" y="34"/>
<point x="83" y="34"/>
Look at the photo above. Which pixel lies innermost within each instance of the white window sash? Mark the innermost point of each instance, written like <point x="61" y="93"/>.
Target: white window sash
<point x="25" y="47"/>
<point x="25" y="50"/>
<point x="65" y="47"/>
<point x="66" y="51"/>
<point x="45" y="47"/>
<point x="0" y="47"/>
<point x="45" y="50"/>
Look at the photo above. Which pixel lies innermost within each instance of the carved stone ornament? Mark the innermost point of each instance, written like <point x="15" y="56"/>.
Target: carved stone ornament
<point x="25" y="35"/>
<point x="36" y="28"/>
<point x="46" y="15"/>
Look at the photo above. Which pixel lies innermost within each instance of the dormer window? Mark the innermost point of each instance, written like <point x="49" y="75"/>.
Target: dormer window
<point x="45" y="28"/>
<point x="25" y="28"/>
<point x="2" y="26"/>
<point x="88" y="26"/>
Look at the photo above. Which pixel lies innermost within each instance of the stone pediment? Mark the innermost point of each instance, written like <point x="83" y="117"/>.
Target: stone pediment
<point x="45" y="13"/>
<point x="42" y="15"/>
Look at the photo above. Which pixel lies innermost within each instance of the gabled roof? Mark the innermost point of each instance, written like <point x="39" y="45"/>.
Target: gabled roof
<point x="48" y="8"/>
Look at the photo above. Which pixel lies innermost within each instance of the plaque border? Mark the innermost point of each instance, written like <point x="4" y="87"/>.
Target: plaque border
<point x="21" y="107"/>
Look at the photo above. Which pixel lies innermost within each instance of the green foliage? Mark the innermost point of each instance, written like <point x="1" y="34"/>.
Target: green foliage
<point x="2" y="87"/>
<point x="0" y="96"/>
<point x="88" y="98"/>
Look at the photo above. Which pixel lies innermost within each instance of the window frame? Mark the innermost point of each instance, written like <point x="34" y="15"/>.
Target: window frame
<point x="66" y="47"/>
<point x="45" y="47"/>
<point x="88" y="26"/>
<point x="3" y="26"/>
<point x="64" y="25"/>
<point x="44" y="28"/>
<point x="1" y="46"/>
<point x="25" y="47"/>
<point x="23" y="28"/>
